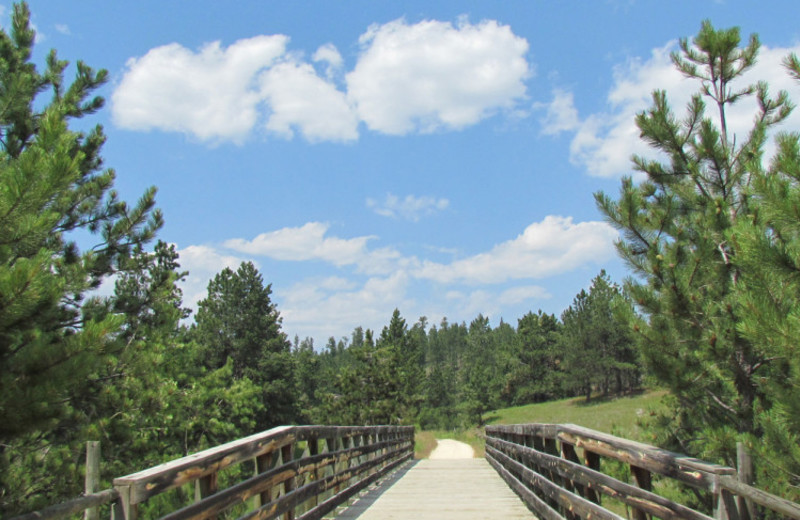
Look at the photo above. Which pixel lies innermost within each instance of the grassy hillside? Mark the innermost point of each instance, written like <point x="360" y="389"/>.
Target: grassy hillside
<point x="616" y="416"/>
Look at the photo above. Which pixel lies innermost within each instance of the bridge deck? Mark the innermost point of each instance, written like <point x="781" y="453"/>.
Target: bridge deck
<point x="440" y="489"/>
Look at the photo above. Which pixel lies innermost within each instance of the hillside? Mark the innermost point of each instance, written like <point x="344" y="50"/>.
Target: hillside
<point x="617" y="416"/>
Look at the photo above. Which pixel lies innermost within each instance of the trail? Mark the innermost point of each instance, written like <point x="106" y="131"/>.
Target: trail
<point x="450" y="449"/>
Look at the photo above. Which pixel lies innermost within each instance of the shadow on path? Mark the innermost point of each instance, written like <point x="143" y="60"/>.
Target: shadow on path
<point x="374" y="492"/>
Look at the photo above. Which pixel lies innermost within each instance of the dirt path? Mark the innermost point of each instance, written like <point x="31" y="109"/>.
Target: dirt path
<point x="450" y="449"/>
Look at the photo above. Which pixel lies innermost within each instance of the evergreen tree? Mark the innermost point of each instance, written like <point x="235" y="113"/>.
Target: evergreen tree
<point x="676" y="228"/>
<point x="237" y="321"/>
<point x="53" y="185"/>
<point x="766" y="245"/>
<point x="535" y="371"/>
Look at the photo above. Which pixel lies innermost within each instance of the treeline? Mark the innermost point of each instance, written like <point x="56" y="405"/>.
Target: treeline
<point x="711" y="236"/>
<point x="450" y="375"/>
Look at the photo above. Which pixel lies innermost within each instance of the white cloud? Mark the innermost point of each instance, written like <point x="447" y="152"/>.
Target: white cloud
<point x="300" y="98"/>
<point x="561" y="113"/>
<point x="329" y="54"/>
<point x="371" y="283"/>
<point x="433" y="75"/>
<point x="307" y="242"/>
<point x="321" y="311"/>
<point x="418" y="77"/>
<point x="63" y="29"/>
<point x="410" y="208"/>
<point x="210" y="94"/>
<point x="555" y="245"/>
<point x="604" y="142"/>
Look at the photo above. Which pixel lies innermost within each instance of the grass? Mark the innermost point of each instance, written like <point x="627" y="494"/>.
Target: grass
<point x="616" y="415"/>
<point x="610" y="415"/>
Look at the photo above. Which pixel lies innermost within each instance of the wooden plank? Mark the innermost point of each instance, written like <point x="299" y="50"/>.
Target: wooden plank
<point x="534" y="503"/>
<point x="332" y="503"/>
<point x="71" y="507"/>
<point x="770" y="501"/>
<point x="287" y="502"/>
<point x="634" y="496"/>
<point x="221" y="501"/>
<point x="571" y="502"/>
<point x="92" y="477"/>
<point x="744" y="472"/>
<point x="158" y="479"/>
<point x="643" y="480"/>
<point x="674" y="465"/>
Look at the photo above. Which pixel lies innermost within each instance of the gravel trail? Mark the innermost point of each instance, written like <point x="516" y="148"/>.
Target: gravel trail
<point x="450" y="449"/>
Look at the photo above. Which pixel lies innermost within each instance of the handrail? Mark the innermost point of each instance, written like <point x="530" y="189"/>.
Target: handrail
<point x="337" y="463"/>
<point x="542" y="463"/>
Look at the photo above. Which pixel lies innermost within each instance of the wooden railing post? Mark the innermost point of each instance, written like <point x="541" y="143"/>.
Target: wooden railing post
<point x="287" y="455"/>
<point x="92" y="480"/>
<point x="744" y="472"/>
<point x="263" y="463"/>
<point x="592" y="461"/>
<point x="643" y="480"/>
<point x="205" y="487"/>
<point x="313" y="449"/>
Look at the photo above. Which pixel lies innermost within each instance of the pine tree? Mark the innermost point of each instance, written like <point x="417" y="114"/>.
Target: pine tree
<point x="52" y="185"/>
<point x="534" y="375"/>
<point x="767" y="253"/>
<point x="676" y="227"/>
<point x="237" y="321"/>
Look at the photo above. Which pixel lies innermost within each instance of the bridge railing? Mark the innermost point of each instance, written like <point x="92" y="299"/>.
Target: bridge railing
<point x="336" y="463"/>
<point x="556" y="470"/>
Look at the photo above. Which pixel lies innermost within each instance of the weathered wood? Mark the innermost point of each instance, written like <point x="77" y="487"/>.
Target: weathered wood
<point x="221" y="501"/>
<point x="674" y="465"/>
<point x="92" y="477"/>
<point x="534" y="503"/>
<point x="329" y="505"/>
<point x="772" y="502"/>
<point x="643" y="480"/>
<point x="158" y="479"/>
<point x="571" y="502"/>
<point x="263" y="463"/>
<point x="634" y="496"/>
<point x="287" y="502"/>
<point x="72" y="507"/>
<point x="744" y="472"/>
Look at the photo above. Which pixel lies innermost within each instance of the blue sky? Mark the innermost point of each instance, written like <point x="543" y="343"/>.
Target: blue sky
<point x="436" y="157"/>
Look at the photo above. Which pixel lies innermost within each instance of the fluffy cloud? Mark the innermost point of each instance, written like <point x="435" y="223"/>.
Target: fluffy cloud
<point x="370" y="283"/>
<point x="433" y="75"/>
<point x="410" y="208"/>
<point x="324" y="308"/>
<point x="309" y="242"/>
<point x="561" y="113"/>
<point x="555" y="245"/>
<point x="408" y="78"/>
<point x="300" y="98"/>
<point x="604" y="142"/>
<point x="209" y="94"/>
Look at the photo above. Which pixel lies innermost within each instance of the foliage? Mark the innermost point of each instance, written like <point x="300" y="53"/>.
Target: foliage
<point x="238" y="323"/>
<point x="596" y="343"/>
<point x="54" y="186"/>
<point x="709" y="234"/>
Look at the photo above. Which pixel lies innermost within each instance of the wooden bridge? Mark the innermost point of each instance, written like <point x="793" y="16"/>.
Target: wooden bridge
<point x="312" y="472"/>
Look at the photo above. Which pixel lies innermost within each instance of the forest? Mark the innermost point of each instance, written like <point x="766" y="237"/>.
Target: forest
<point x="710" y="312"/>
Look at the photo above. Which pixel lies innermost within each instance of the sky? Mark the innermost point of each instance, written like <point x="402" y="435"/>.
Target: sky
<point x="440" y="158"/>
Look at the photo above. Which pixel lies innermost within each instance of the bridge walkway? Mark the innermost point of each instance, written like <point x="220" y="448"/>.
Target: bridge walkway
<point x="440" y="489"/>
